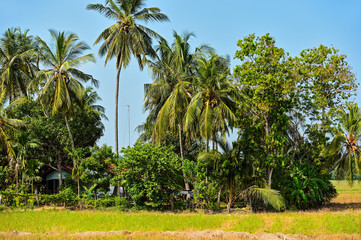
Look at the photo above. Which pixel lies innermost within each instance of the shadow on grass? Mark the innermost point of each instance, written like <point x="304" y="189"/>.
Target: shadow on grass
<point x="336" y="206"/>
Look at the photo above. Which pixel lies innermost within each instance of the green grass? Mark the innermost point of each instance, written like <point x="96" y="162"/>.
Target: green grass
<point x="343" y="187"/>
<point x="309" y="223"/>
<point x="82" y="221"/>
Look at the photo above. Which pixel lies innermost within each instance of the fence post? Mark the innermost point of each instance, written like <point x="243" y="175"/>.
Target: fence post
<point x="1" y="197"/>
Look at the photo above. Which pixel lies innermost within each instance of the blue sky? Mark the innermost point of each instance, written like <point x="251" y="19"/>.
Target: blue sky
<point x="296" y="25"/>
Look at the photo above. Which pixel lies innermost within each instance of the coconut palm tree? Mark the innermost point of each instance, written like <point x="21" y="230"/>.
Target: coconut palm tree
<point x="168" y="96"/>
<point x="22" y="143"/>
<point x="88" y="100"/>
<point x="212" y="108"/>
<point x="62" y="81"/>
<point x="346" y="143"/>
<point x="7" y="127"/>
<point x="17" y="62"/>
<point x="78" y="155"/>
<point x="126" y="37"/>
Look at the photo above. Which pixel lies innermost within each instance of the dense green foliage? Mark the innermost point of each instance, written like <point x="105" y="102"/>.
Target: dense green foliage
<point x="293" y="118"/>
<point x="151" y="173"/>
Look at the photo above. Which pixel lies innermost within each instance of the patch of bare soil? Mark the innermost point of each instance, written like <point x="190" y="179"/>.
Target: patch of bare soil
<point x="207" y="234"/>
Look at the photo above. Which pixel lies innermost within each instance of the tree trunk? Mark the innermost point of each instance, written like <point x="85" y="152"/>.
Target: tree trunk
<point x="230" y="201"/>
<point x="219" y="197"/>
<point x="250" y="203"/>
<point x="269" y="176"/>
<point x="22" y="177"/>
<point x="69" y="132"/>
<point x="60" y="177"/>
<point x="78" y="187"/>
<point x="17" y="176"/>
<point x="172" y="202"/>
<point x="186" y="184"/>
<point x="338" y="162"/>
<point x="116" y="107"/>
<point x="269" y="169"/>
<point x="37" y="197"/>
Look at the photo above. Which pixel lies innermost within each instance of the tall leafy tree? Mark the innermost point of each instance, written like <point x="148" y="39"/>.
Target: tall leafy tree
<point x="266" y="79"/>
<point x="126" y="38"/>
<point x="326" y="82"/>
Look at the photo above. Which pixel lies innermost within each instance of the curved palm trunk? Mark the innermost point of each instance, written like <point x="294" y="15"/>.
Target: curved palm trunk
<point x="337" y="163"/>
<point x="186" y="183"/>
<point x="69" y="132"/>
<point x="269" y="169"/>
<point x="72" y="147"/>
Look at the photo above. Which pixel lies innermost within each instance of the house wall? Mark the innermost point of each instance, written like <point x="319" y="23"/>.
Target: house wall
<point x="54" y="175"/>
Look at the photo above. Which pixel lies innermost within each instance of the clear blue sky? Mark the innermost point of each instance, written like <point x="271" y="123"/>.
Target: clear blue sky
<point x="296" y="25"/>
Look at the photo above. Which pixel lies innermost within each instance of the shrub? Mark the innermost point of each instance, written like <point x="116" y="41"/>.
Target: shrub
<point x="68" y="197"/>
<point x="307" y="188"/>
<point x="150" y="173"/>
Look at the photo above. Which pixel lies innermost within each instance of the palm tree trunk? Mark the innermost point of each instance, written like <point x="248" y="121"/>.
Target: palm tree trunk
<point x="60" y="177"/>
<point x="219" y="197"/>
<point x="17" y="176"/>
<point x="78" y="187"/>
<point x="22" y="177"/>
<point x="269" y="176"/>
<point x="116" y="115"/>
<point x="269" y="169"/>
<point x="186" y="184"/>
<point x="229" y="205"/>
<point x="116" y="107"/>
<point x="69" y="132"/>
<point x="337" y="163"/>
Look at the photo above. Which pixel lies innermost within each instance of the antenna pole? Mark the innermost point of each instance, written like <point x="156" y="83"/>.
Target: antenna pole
<point x="129" y="122"/>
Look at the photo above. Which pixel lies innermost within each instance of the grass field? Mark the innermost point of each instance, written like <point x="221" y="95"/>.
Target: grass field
<point x="341" y="216"/>
<point x="82" y="221"/>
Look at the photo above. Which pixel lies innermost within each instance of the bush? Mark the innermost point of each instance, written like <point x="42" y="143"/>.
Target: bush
<point x="68" y="197"/>
<point x="150" y="173"/>
<point x="11" y="198"/>
<point x="307" y="188"/>
<point x="108" y="201"/>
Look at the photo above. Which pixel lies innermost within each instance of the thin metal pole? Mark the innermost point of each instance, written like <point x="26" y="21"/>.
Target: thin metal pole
<point x="129" y="122"/>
